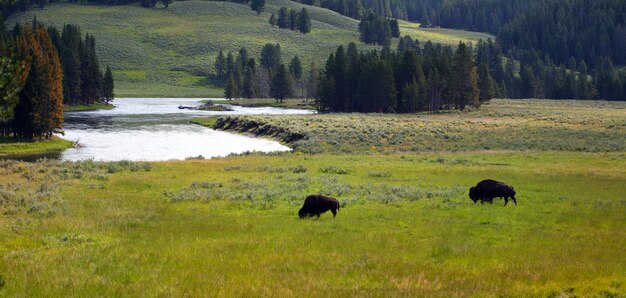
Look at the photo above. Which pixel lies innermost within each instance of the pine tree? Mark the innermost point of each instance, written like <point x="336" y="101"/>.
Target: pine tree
<point x="314" y="76"/>
<point x="273" y="20"/>
<point x="465" y="85"/>
<point x="295" y="67"/>
<point x="258" y="6"/>
<point x="39" y="112"/>
<point x="283" y="18"/>
<point x="529" y="84"/>
<point x="395" y="29"/>
<point x="220" y="65"/>
<point x="304" y="25"/>
<point x="486" y="83"/>
<point x="250" y="81"/>
<point x="232" y="90"/>
<point x="71" y="78"/>
<point x="270" y="57"/>
<point x="282" y="86"/>
<point x="293" y="20"/>
<point x="108" y="86"/>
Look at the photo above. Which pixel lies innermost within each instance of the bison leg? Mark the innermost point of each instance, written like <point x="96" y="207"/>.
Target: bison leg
<point x="514" y="201"/>
<point x="506" y="200"/>
<point x="334" y="211"/>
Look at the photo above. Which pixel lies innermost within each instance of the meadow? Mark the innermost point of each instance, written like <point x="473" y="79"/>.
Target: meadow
<point x="11" y="146"/>
<point x="406" y="227"/>
<point x="518" y="125"/>
<point x="170" y="52"/>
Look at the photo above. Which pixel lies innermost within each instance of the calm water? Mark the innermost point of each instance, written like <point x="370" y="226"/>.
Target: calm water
<point x="153" y="129"/>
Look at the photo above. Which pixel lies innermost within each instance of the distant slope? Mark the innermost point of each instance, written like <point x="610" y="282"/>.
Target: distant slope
<point x="169" y="52"/>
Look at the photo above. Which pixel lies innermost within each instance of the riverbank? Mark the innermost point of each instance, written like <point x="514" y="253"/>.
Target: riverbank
<point x="91" y="107"/>
<point x="501" y="125"/>
<point x="229" y="226"/>
<point x="268" y="102"/>
<point x="11" y="146"/>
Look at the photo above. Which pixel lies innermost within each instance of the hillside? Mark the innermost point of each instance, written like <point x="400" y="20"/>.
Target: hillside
<point x="169" y="52"/>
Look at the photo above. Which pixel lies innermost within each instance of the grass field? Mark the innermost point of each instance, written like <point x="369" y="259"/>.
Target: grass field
<point x="518" y="125"/>
<point x="10" y="146"/>
<point x="91" y="107"/>
<point x="169" y="52"/>
<point x="229" y="226"/>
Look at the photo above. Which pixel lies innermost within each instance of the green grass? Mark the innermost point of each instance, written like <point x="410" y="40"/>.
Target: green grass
<point x="91" y="107"/>
<point x="268" y="102"/>
<point x="441" y="35"/>
<point x="229" y="227"/>
<point x="10" y="146"/>
<point x="169" y="52"/>
<point x="518" y="125"/>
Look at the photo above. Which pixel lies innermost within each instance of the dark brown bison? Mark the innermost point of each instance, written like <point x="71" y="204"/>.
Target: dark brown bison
<point x="315" y="205"/>
<point x="488" y="189"/>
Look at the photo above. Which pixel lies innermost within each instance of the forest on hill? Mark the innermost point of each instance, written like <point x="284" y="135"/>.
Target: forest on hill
<point x="545" y="49"/>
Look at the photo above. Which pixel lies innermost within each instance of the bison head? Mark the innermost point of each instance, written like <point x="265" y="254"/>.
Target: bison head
<point x="472" y="195"/>
<point x="301" y="213"/>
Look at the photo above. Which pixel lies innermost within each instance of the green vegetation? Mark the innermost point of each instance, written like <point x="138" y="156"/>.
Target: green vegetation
<point x="91" y="107"/>
<point x="441" y="35"/>
<point x="535" y="125"/>
<point x="170" y="52"/>
<point x="266" y="102"/>
<point x="11" y="146"/>
<point x="229" y="226"/>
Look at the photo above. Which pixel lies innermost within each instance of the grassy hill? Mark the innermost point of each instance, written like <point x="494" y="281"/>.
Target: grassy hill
<point x="169" y="52"/>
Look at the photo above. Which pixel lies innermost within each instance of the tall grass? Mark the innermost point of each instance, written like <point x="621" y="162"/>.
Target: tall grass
<point x="229" y="227"/>
<point x="518" y="125"/>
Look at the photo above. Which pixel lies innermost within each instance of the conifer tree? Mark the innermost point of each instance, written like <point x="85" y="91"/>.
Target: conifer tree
<point x="465" y="85"/>
<point x="304" y="25"/>
<point x="250" y="81"/>
<point x="282" y="86"/>
<point x="39" y="112"/>
<point x="232" y="90"/>
<point x="295" y="67"/>
<point x="108" y="86"/>
<point x="258" y="6"/>
<point x="311" y="87"/>
<point x="273" y="20"/>
<point x="293" y="19"/>
<point x="486" y="83"/>
<point x="220" y="65"/>
<point x="283" y="18"/>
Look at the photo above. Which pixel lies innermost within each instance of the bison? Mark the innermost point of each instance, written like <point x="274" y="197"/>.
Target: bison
<point x="488" y="189"/>
<point x="315" y="205"/>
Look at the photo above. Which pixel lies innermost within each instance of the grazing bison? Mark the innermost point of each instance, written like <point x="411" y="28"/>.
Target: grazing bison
<point x="488" y="189"/>
<point x="318" y="204"/>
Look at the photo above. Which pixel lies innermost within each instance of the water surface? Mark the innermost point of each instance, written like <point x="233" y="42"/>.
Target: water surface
<point x="154" y="129"/>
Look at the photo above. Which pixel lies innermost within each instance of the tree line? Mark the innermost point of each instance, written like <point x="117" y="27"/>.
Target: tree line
<point x="433" y="79"/>
<point x="272" y="78"/>
<point x="10" y="7"/>
<point x="378" y="29"/>
<point x="52" y="68"/>
<point x="291" y="19"/>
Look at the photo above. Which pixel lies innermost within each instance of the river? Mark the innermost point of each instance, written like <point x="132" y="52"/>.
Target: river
<point x="154" y="129"/>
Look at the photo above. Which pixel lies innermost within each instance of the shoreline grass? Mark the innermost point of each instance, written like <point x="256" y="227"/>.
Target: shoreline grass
<point x="12" y="147"/>
<point x="509" y="125"/>
<point x="268" y="102"/>
<point x="89" y="107"/>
